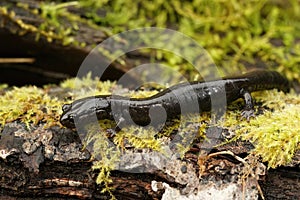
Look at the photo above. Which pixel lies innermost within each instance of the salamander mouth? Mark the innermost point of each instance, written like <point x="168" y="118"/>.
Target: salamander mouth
<point x="74" y="120"/>
<point x="67" y="121"/>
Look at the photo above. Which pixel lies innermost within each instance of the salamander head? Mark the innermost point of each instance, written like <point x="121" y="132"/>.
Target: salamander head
<point x="84" y="111"/>
<point x="67" y="118"/>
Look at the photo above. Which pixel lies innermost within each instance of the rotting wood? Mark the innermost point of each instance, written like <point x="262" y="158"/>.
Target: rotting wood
<point x="51" y="163"/>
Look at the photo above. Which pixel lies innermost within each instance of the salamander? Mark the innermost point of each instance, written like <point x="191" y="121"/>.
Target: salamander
<point x="191" y="97"/>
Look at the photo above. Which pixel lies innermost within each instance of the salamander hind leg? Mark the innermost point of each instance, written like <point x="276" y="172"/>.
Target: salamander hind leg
<point x="248" y="111"/>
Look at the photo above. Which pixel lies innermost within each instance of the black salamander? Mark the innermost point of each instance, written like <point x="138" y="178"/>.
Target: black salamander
<point x="174" y="101"/>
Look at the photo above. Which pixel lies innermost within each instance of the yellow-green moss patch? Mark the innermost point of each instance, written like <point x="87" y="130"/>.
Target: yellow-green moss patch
<point x="88" y="86"/>
<point x="3" y="86"/>
<point x="30" y="105"/>
<point x="106" y="153"/>
<point x="275" y="133"/>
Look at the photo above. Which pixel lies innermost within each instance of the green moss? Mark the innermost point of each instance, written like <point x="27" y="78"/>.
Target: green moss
<point x="3" y="86"/>
<point x="190" y="128"/>
<point x="107" y="154"/>
<point x="110" y="150"/>
<point x="88" y="86"/>
<point x="139" y="138"/>
<point x="235" y="33"/>
<point x="30" y="105"/>
<point x="58" y="23"/>
<point x="275" y="134"/>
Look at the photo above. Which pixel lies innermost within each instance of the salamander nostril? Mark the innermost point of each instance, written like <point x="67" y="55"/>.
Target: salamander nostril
<point x="66" y="107"/>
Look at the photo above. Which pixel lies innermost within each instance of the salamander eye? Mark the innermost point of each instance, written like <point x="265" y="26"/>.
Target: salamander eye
<point x="66" y="107"/>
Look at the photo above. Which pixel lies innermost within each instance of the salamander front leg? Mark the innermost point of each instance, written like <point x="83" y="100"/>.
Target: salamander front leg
<point x="248" y="110"/>
<point x="120" y="122"/>
<point x="122" y="119"/>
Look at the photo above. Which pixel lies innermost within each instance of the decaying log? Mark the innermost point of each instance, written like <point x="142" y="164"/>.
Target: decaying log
<point x="51" y="163"/>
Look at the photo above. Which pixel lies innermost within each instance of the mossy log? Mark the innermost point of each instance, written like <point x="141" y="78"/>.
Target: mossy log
<point x="57" y="167"/>
<point x="39" y="163"/>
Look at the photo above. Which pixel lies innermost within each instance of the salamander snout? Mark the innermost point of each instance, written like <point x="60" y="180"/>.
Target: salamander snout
<point x="67" y="118"/>
<point x="67" y="121"/>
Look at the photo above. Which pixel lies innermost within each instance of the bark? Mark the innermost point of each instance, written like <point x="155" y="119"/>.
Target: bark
<point x="57" y="167"/>
<point x="50" y="163"/>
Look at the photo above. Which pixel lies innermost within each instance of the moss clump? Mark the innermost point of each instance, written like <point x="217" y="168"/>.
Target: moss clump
<point x="139" y="138"/>
<point x="33" y="105"/>
<point x="275" y="134"/>
<point x="88" y="86"/>
<point x="3" y="86"/>
<point x="106" y="153"/>
<point x="30" y="105"/>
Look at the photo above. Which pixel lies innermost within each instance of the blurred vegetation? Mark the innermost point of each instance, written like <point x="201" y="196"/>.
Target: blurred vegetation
<point x="235" y="33"/>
